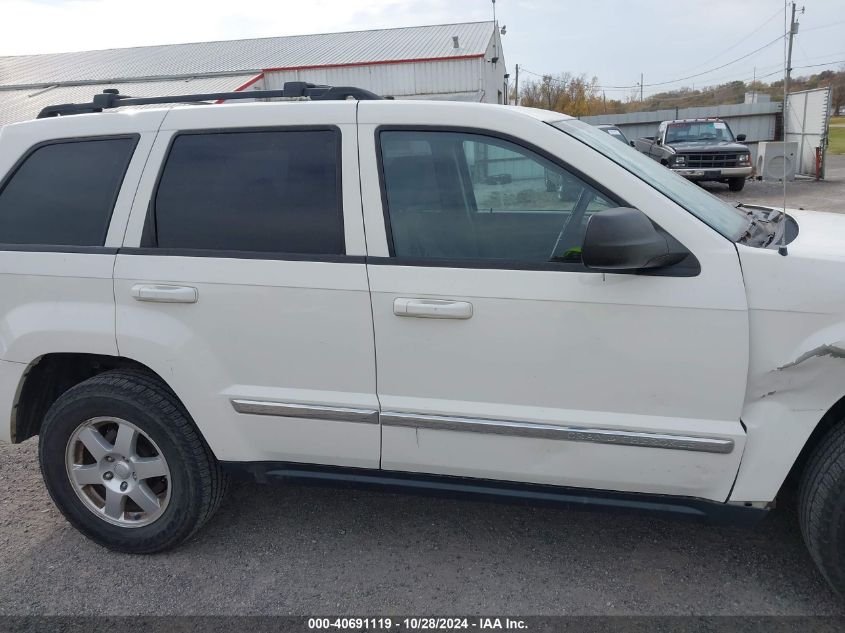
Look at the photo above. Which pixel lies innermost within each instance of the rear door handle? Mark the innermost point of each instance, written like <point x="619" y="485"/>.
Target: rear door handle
<point x="432" y="308"/>
<point x="164" y="293"/>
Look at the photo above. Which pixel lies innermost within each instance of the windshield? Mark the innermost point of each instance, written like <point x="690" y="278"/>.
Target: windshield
<point x="698" y="131"/>
<point x="724" y="218"/>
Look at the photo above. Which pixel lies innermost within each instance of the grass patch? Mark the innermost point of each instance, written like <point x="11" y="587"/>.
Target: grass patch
<point x="836" y="141"/>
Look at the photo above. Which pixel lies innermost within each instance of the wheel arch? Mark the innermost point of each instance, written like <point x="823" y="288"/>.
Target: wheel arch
<point x="49" y="376"/>
<point x="832" y="418"/>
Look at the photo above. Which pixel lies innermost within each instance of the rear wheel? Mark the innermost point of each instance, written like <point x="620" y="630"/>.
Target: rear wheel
<point x="821" y="506"/>
<point x="736" y="184"/>
<point x="125" y="464"/>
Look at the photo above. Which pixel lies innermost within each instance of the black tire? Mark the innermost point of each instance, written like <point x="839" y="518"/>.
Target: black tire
<point x="821" y="506"/>
<point x="197" y="484"/>
<point x="736" y="184"/>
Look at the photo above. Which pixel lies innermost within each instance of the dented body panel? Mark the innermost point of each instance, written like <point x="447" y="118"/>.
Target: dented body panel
<point x="797" y="349"/>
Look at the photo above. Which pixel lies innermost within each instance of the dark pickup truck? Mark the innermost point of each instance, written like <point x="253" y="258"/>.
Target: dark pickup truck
<point x="700" y="149"/>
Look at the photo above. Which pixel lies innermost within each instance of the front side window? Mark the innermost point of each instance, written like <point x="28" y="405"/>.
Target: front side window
<point x="465" y="196"/>
<point x="272" y="191"/>
<point x="63" y="194"/>
<point x="723" y="218"/>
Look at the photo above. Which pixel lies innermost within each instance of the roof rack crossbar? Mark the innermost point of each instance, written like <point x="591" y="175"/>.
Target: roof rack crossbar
<point x="111" y="98"/>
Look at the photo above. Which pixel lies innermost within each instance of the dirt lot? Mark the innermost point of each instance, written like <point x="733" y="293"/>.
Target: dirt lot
<point x="305" y="551"/>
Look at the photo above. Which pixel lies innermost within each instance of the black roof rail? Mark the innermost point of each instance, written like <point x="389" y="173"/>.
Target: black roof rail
<point x="111" y="98"/>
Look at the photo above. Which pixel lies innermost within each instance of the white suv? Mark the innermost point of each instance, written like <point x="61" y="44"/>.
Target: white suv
<point x="385" y="292"/>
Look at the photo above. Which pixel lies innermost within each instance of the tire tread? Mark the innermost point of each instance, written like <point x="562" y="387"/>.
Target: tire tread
<point x="821" y="506"/>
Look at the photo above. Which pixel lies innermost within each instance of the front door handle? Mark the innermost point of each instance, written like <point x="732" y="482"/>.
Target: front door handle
<point x="164" y="294"/>
<point x="432" y="308"/>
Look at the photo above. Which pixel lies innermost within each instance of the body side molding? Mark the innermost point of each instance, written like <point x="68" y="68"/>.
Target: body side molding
<point x="492" y="427"/>
<point x="309" y="411"/>
<point x="554" y="432"/>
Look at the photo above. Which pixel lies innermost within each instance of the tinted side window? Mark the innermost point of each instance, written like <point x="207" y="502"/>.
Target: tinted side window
<point x="468" y="196"/>
<point x="64" y="193"/>
<point x="269" y="191"/>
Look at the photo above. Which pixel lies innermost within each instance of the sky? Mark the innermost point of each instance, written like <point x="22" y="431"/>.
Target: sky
<point x="668" y="41"/>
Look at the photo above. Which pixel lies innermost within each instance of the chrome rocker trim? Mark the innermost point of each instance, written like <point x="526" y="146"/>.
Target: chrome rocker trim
<point x="491" y="427"/>
<point x="307" y="411"/>
<point x="553" y="432"/>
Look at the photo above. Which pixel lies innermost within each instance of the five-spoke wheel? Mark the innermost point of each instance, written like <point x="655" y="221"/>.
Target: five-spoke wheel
<point x="118" y="471"/>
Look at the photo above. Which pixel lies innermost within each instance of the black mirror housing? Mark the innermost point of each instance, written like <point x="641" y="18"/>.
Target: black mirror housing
<point x="625" y="239"/>
<point x="632" y="144"/>
<point x="740" y="138"/>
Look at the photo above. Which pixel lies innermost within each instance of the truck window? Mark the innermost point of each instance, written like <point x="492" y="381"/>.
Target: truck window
<point x="465" y="196"/>
<point x="63" y="193"/>
<point x="272" y="191"/>
<point x="693" y="131"/>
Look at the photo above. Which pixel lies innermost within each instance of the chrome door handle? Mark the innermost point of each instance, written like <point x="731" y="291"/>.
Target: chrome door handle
<point x="432" y="308"/>
<point x="164" y="294"/>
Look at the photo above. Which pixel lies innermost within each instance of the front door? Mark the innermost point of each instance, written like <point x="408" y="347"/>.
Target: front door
<point x="501" y="356"/>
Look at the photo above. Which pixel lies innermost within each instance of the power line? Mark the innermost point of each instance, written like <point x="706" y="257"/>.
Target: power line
<point x="743" y="40"/>
<point x="664" y="83"/>
<point x="836" y="61"/>
<point x="824" y="26"/>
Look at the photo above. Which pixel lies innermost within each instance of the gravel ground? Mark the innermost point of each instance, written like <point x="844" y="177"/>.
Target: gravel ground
<point x="303" y="551"/>
<point x="826" y="195"/>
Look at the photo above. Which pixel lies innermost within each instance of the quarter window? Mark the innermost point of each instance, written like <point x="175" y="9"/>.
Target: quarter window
<point x="64" y="193"/>
<point x="467" y="196"/>
<point x="269" y="192"/>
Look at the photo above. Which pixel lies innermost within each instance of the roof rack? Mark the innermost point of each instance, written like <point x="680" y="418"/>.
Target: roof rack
<point x="294" y="90"/>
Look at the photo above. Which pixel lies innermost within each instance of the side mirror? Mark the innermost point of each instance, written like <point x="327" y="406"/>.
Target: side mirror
<point x="625" y="239"/>
<point x="740" y="138"/>
<point x="658" y="140"/>
<point x="631" y="143"/>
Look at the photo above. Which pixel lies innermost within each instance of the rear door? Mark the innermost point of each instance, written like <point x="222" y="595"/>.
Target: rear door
<point x="500" y="355"/>
<point x="242" y="281"/>
<point x="66" y="187"/>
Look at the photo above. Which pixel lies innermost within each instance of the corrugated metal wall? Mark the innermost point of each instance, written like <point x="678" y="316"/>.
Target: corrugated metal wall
<point x="758" y="121"/>
<point x="404" y="79"/>
<point x="807" y="116"/>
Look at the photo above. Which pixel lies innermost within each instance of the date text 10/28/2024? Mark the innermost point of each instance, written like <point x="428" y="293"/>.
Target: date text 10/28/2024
<point x="417" y="624"/>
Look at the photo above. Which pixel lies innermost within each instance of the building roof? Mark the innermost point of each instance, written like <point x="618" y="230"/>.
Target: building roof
<point x="245" y="56"/>
<point x="26" y="103"/>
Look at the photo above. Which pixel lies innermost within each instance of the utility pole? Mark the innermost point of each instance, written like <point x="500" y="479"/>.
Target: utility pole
<point x="641" y="87"/>
<point x="754" y="87"/>
<point x="793" y="29"/>
<point x="516" y="86"/>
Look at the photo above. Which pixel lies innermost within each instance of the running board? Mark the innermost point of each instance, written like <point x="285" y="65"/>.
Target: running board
<point x="498" y="491"/>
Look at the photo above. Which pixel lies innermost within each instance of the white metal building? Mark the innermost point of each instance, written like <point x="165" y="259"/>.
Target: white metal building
<point x="449" y="61"/>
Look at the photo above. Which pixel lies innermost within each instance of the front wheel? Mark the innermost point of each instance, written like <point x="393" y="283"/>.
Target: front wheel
<point x="821" y="506"/>
<point x="126" y="466"/>
<point x="736" y="184"/>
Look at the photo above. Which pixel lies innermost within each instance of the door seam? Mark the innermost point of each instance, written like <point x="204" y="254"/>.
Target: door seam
<point x="369" y="285"/>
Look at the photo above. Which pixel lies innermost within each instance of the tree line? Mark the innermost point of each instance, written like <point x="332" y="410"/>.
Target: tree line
<point x="577" y="95"/>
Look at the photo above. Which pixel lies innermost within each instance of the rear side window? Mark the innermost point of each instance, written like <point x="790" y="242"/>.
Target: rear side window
<point x="64" y="193"/>
<point x="268" y="192"/>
